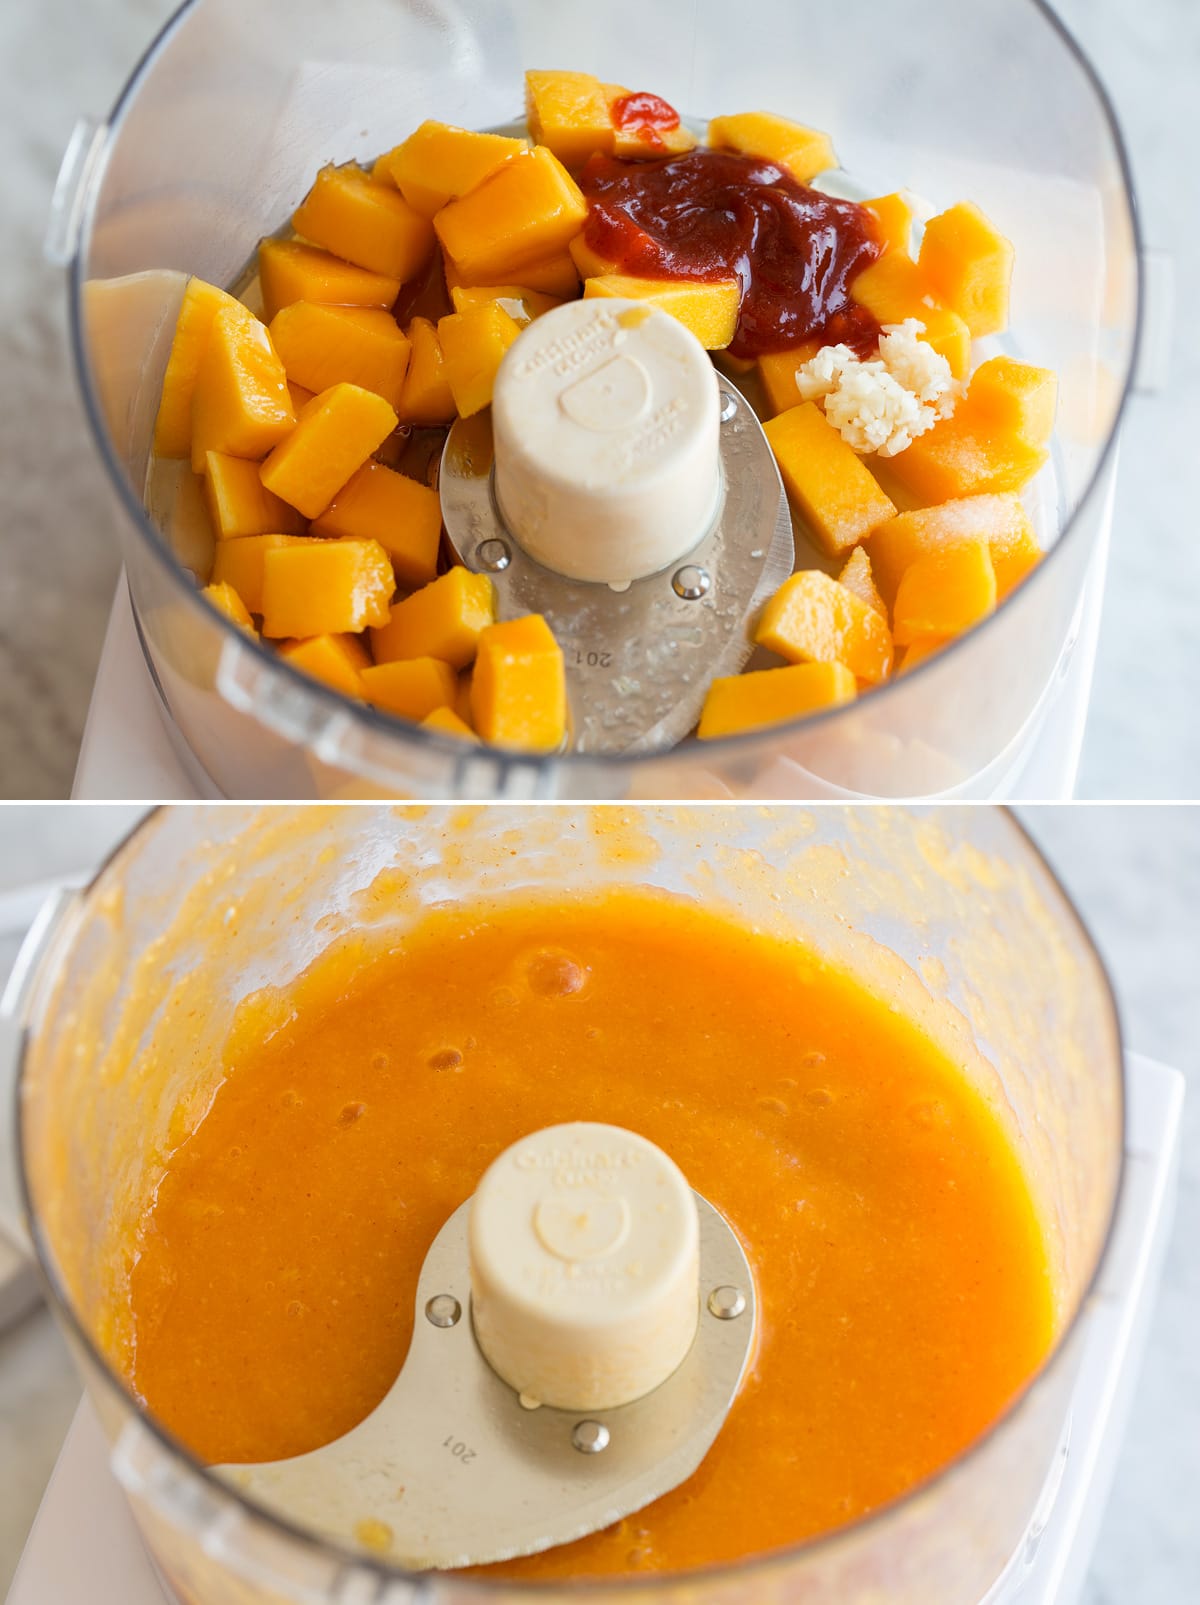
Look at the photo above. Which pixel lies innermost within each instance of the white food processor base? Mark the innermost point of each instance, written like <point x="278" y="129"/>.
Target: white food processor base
<point x="131" y="751"/>
<point x="85" y="1550"/>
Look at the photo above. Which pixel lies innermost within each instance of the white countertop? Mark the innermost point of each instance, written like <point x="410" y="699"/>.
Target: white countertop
<point x="1135" y="874"/>
<point x="60" y="552"/>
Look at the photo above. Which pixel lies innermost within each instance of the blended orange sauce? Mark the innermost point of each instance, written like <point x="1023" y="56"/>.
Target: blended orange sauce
<point x="903" y="1278"/>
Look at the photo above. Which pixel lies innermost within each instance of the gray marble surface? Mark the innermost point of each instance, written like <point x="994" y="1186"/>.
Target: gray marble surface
<point x="1135" y="874"/>
<point x="59" y="58"/>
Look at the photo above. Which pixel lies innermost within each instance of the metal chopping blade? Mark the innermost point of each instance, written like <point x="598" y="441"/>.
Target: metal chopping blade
<point x="451" y="1469"/>
<point x="639" y="662"/>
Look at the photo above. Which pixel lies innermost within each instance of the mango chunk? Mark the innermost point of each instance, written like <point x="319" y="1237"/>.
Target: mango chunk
<point x="777" y="370"/>
<point x="200" y="305"/>
<point x="858" y="578"/>
<point x="289" y="271"/>
<point x="919" y="651"/>
<point x="378" y="504"/>
<point x="519" y="687"/>
<point x="803" y="152"/>
<point x="962" y="457"/>
<point x="892" y="288"/>
<point x="226" y="600"/>
<point x="442" y="620"/>
<point x="552" y="275"/>
<point x="448" y="723"/>
<point x="893" y="221"/>
<point x="710" y="311"/>
<point x="529" y="209"/>
<point x="239" y="563"/>
<point x="968" y="266"/>
<point x="813" y="619"/>
<point x="1014" y="398"/>
<point x="322" y="346"/>
<point x="241" y="405"/>
<point x="766" y="697"/>
<point x="1001" y="521"/>
<point x="831" y="487"/>
<point x="520" y="304"/>
<point x="473" y="346"/>
<point x="638" y="141"/>
<point x="325" y="588"/>
<point x="412" y="688"/>
<point x="946" y="332"/>
<point x="440" y="162"/>
<point x="336" y="433"/>
<point x="300" y="396"/>
<point x="945" y="592"/>
<point x="426" y="399"/>
<point x="568" y="113"/>
<point x="335" y="660"/>
<point x="366" y="223"/>
<point x="589" y="264"/>
<point x="240" y="504"/>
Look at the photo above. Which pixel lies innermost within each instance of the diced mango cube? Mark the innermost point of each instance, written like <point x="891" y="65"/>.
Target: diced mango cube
<point x="473" y="346"/>
<point x="322" y="345"/>
<point x="1000" y="520"/>
<point x="378" y="504"/>
<point x="412" y="688"/>
<point x="366" y="223"/>
<point x="442" y="620"/>
<point x="893" y="221"/>
<point x="968" y="266"/>
<point x="325" y="588"/>
<point x="945" y="592"/>
<point x="858" y="578"/>
<point x="920" y="651"/>
<point x="289" y="271"/>
<point x="240" y="504"/>
<point x="589" y="264"/>
<point x="241" y="405"/>
<point x="777" y="370"/>
<point x="765" y="697"/>
<point x="568" y="113"/>
<point x="337" y="432"/>
<point x="239" y="563"/>
<point x="803" y="152"/>
<point x="193" y="326"/>
<point x="448" y="723"/>
<point x="635" y="141"/>
<point x="959" y="457"/>
<point x="710" y="311"/>
<point x="335" y="660"/>
<point x="519" y="688"/>
<point x="226" y="600"/>
<point x="426" y="398"/>
<point x="529" y="209"/>
<point x="892" y="288"/>
<point x="552" y="275"/>
<point x="1014" y="398"/>
<point x="300" y="396"/>
<point x="813" y="619"/>
<point x="520" y="304"/>
<point x="831" y="487"/>
<point x="440" y="162"/>
<point x="946" y="332"/>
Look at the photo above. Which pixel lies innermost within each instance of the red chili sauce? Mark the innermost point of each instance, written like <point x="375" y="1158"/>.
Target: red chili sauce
<point x="712" y="215"/>
<point x="648" y="114"/>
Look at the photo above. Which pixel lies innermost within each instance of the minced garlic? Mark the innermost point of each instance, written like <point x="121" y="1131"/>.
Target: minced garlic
<point x="883" y="405"/>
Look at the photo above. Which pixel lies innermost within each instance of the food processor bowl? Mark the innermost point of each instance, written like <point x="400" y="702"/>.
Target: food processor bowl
<point x="219" y="133"/>
<point x="952" y="917"/>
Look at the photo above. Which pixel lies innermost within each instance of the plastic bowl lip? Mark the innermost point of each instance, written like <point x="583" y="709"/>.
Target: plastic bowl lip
<point x="741" y="1571"/>
<point x="542" y="767"/>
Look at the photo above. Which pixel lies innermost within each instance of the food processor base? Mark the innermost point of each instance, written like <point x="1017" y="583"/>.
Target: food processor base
<point x="84" y="1548"/>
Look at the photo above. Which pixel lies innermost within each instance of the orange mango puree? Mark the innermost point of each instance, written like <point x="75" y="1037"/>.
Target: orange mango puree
<point x="902" y="1274"/>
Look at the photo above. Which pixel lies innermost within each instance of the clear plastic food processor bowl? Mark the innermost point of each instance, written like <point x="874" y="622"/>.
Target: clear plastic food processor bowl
<point x="220" y="132"/>
<point x="953" y="917"/>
